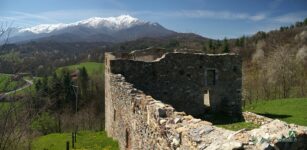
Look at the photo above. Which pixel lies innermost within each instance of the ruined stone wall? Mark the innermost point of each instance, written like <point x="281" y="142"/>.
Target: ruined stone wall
<point x="256" y="119"/>
<point x="179" y="79"/>
<point x="139" y="121"/>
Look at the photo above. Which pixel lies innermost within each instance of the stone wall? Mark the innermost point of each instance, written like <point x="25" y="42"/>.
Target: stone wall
<point x="256" y="119"/>
<point x="139" y="121"/>
<point x="180" y="79"/>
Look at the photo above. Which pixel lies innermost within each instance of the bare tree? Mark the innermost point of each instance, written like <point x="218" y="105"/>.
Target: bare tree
<point x="14" y="117"/>
<point x="281" y="70"/>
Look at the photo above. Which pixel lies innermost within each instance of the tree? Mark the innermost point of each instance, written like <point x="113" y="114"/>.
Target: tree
<point x="204" y="47"/>
<point x="56" y="90"/>
<point x="299" y="24"/>
<point x="67" y="89"/>
<point x="210" y="44"/>
<point x="225" y="46"/>
<point x="173" y="44"/>
<point x="45" y="86"/>
<point x="44" y="123"/>
<point x="281" y="70"/>
<point x="84" y="82"/>
<point x="242" y="41"/>
<point x="38" y="85"/>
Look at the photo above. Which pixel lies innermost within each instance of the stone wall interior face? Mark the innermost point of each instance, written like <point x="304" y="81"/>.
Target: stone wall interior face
<point x="183" y="80"/>
<point x="149" y="105"/>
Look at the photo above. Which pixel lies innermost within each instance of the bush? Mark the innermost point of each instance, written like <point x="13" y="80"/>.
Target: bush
<point x="44" y="123"/>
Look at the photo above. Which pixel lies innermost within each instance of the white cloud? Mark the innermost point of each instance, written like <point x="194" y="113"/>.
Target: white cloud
<point x="225" y="15"/>
<point x="291" y="17"/>
<point x="258" y="17"/>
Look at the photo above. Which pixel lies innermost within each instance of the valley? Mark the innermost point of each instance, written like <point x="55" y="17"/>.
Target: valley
<point x="122" y="83"/>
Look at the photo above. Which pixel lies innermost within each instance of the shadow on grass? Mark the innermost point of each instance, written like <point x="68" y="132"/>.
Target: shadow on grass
<point x="221" y="119"/>
<point x="274" y="116"/>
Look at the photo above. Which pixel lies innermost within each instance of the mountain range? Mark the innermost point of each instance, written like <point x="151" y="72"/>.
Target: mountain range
<point x="96" y="29"/>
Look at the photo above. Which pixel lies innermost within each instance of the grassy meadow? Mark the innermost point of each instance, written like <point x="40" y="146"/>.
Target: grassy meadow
<point x="92" y="68"/>
<point x="292" y="110"/>
<point x="86" y="140"/>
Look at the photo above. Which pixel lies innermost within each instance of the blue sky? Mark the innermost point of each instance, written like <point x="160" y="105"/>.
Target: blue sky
<point x="209" y="18"/>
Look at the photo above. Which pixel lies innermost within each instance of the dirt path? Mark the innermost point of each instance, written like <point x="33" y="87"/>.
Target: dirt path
<point x="29" y="83"/>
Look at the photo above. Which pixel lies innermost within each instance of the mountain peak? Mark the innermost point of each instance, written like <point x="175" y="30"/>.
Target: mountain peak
<point x="95" y="29"/>
<point x="119" y="22"/>
<point x="113" y="23"/>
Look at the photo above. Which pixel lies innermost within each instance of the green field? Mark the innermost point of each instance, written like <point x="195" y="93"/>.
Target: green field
<point x="86" y="140"/>
<point x="6" y="84"/>
<point x="91" y="67"/>
<point x="289" y="110"/>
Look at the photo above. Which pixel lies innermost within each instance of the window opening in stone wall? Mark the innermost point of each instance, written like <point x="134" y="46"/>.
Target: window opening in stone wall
<point x="114" y="115"/>
<point x="127" y="139"/>
<point x="211" y="75"/>
<point x="206" y="98"/>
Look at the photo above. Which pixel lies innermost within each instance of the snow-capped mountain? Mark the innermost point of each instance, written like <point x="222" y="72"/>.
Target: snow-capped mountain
<point x="111" y="29"/>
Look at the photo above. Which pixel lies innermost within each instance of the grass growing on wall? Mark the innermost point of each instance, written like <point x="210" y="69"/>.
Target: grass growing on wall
<point x="86" y="140"/>
<point x="239" y="125"/>
<point x="293" y="110"/>
<point x="228" y="122"/>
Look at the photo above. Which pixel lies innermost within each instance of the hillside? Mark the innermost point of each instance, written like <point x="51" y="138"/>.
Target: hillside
<point x="92" y="68"/>
<point x="274" y="62"/>
<point x="37" y="57"/>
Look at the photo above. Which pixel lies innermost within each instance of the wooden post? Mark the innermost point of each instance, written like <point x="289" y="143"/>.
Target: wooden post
<point x="75" y="137"/>
<point x="73" y="140"/>
<point x="67" y="145"/>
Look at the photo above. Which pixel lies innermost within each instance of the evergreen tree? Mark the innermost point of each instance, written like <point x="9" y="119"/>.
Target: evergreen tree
<point x="205" y="47"/>
<point x="84" y="82"/>
<point x="237" y="43"/>
<point x="45" y="88"/>
<point x="38" y="85"/>
<point x="68" y="91"/>
<point x="242" y="41"/>
<point x="210" y="44"/>
<point x="56" y="90"/>
<point x="225" y="46"/>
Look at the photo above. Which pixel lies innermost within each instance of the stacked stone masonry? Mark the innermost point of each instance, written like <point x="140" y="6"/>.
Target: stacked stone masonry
<point x="139" y="121"/>
<point x="183" y="80"/>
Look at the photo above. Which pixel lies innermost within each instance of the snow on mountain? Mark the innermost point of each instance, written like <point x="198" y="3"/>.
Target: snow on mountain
<point x="96" y="29"/>
<point x="113" y="23"/>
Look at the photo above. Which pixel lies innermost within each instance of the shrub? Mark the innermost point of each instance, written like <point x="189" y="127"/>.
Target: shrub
<point x="44" y="123"/>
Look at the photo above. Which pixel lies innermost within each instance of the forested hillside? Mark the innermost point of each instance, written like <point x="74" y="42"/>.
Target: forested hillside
<point x="275" y="63"/>
<point x="42" y="58"/>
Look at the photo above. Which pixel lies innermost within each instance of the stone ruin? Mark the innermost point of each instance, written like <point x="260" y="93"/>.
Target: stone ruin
<point x="153" y="100"/>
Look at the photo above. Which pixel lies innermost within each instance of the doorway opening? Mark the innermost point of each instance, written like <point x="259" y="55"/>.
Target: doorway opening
<point x="207" y="98"/>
